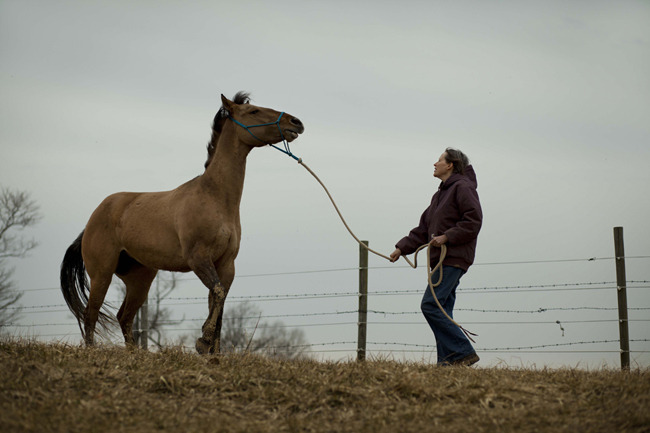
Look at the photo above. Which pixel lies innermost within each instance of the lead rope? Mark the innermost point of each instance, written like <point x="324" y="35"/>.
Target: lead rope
<point x="443" y="254"/>
<point x="443" y="250"/>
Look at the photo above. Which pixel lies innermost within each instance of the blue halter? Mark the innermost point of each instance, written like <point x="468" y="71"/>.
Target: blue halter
<point x="286" y="150"/>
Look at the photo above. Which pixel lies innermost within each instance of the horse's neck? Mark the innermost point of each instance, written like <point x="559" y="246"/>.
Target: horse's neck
<point x="225" y="174"/>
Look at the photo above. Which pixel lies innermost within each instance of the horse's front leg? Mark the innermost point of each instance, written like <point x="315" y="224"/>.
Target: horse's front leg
<point x="210" y="342"/>
<point x="227" y="273"/>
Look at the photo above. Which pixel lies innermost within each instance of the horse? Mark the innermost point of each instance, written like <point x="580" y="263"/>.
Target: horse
<point x="195" y="227"/>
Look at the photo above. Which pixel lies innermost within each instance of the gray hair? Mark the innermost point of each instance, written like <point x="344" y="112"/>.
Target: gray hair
<point x="458" y="158"/>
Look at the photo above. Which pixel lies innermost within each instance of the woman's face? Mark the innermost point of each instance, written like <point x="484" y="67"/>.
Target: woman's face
<point x="443" y="169"/>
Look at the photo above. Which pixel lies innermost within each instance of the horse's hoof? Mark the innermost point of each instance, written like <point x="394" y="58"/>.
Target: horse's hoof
<point x="203" y="347"/>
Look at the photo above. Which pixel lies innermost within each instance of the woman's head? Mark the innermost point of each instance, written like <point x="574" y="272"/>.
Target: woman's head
<point x="451" y="161"/>
<point x="457" y="158"/>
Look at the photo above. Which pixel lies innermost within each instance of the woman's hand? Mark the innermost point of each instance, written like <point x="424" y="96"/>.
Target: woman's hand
<point x="438" y="241"/>
<point x="395" y="255"/>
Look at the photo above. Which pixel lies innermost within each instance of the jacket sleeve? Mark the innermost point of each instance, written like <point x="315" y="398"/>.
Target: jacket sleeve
<point x="416" y="238"/>
<point x="471" y="217"/>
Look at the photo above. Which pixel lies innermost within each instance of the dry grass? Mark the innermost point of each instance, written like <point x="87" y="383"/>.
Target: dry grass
<point x="56" y="388"/>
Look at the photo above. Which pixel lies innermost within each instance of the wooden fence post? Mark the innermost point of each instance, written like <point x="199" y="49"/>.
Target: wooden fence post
<point x="144" y="320"/>
<point x="363" y="301"/>
<point x="621" y="289"/>
<point x="136" y="328"/>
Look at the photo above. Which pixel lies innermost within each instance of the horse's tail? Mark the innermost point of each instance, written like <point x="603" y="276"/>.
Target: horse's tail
<point x="75" y="286"/>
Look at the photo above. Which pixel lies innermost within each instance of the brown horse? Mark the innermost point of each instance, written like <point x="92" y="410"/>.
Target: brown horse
<point x="195" y="227"/>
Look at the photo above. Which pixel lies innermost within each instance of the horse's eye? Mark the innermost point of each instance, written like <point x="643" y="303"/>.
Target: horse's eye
<point x="254" y="111"/>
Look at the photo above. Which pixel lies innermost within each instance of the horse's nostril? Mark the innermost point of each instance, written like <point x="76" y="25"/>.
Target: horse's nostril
<point x="296" y="121"/>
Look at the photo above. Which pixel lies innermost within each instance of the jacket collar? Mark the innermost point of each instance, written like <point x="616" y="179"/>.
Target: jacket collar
<point x="469" y="175"/>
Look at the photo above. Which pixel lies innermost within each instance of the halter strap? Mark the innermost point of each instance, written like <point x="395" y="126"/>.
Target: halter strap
<point x="286" y="150"/>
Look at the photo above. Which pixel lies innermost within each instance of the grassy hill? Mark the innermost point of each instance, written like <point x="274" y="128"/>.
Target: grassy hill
<point x="57" y="388"/>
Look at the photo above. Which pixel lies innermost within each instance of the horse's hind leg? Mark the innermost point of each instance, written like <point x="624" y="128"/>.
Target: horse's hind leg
<point x="99" y="284"/>
<point x="138" y="280"/>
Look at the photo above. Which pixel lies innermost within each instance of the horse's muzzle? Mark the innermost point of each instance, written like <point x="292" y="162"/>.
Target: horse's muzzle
<point x="297" y="128"/>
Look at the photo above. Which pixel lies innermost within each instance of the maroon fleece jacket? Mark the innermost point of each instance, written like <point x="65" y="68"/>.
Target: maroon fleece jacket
<point x="455" y="211"/>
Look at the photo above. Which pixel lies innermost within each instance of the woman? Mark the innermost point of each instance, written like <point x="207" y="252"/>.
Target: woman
<point x="453" y="219"/>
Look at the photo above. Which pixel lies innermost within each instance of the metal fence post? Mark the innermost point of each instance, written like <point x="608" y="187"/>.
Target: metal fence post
<point x="363" y="301"/>
<point x="621" y="289"/>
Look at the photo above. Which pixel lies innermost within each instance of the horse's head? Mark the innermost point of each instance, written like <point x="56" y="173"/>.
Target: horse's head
<point x="258" y="126"/>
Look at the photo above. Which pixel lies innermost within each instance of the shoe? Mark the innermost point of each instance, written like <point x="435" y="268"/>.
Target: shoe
<point x="466" y="361"/>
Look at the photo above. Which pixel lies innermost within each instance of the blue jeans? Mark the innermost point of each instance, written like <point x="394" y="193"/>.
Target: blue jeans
<point x="451" y="343"/>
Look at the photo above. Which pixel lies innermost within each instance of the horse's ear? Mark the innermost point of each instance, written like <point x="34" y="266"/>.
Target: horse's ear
<point x="226" y="103"/>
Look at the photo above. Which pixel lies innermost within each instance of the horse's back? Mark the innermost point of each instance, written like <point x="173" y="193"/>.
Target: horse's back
<point x="162" y="229"/>
<point x="107" y="217"/>
<point x="140" y="223"/>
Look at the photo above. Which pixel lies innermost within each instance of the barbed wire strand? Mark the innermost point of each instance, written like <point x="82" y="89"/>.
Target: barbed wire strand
<point x="276" y="326"/>
<point x="431" y="346"/>
<point x="271" y="274"/>
<point x="201" y="300"/>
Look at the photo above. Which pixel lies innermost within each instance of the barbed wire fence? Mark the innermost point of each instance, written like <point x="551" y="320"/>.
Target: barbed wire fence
<point x="374" y="317"/>
<point x="177" y="301"/>
<point x="62" y="308"/>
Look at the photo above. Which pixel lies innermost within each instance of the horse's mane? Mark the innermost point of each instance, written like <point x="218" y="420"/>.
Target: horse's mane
<point x="219" y="120"/>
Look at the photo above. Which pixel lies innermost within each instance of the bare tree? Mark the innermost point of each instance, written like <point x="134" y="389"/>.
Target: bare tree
<point x="243" y="331"/>
<point x="17" y="212"/>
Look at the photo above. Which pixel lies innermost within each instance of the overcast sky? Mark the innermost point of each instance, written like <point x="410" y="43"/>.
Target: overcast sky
<point x="549" y="99"/>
